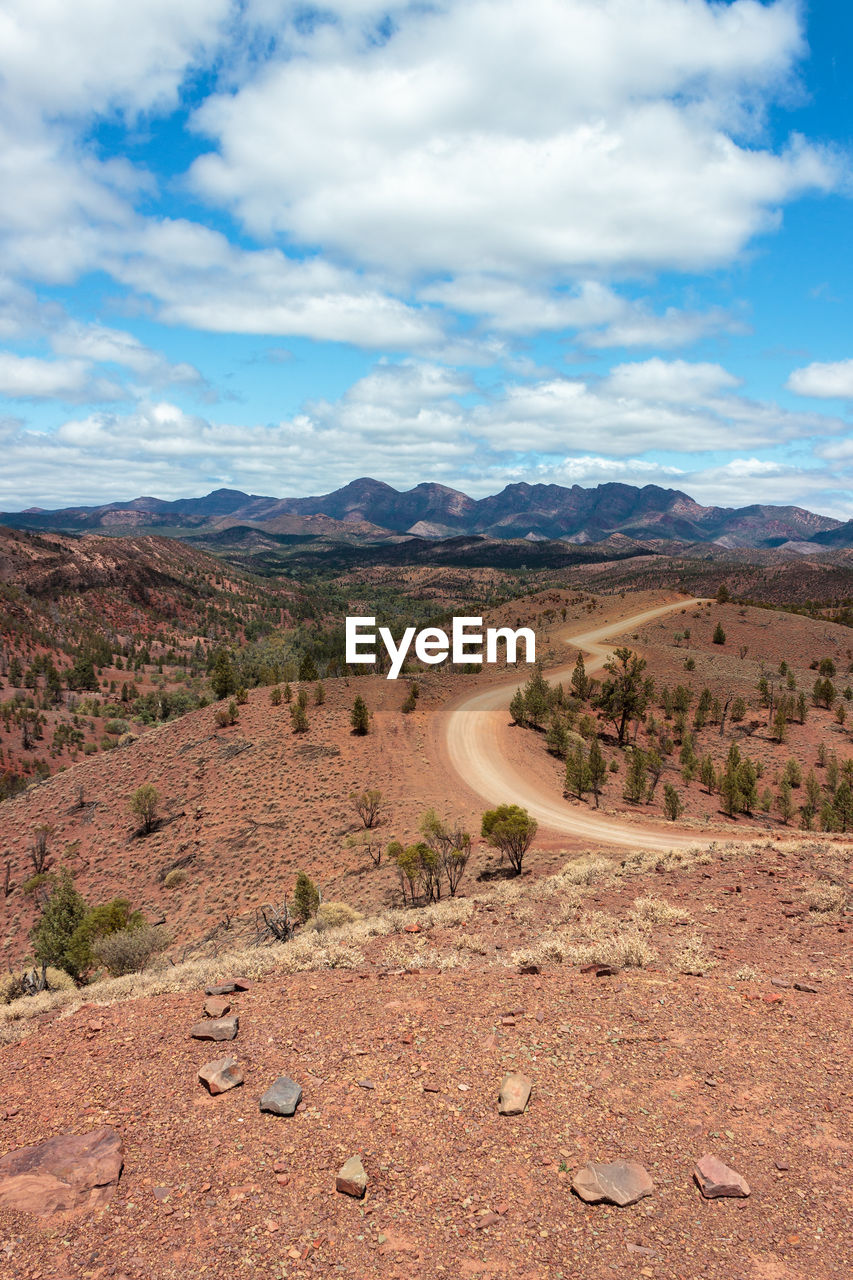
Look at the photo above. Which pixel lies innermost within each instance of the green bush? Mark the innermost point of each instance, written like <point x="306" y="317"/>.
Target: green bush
<point x="306" y="898"/>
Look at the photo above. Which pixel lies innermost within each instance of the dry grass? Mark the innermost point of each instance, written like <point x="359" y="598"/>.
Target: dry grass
<point x="826" y="898"/>
<point x="649" y="911"/>
<point x="692" y="958"/>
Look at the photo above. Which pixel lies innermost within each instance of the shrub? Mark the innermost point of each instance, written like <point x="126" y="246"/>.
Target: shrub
<point x="306" y="898"/>
<point x="143" y="805"/>
<point x="109" y="917"/>
<point x="175" y="877"/>
<point x="221" y="718"/>
<point x="719" y="636"/>
<point x="116" y="727"/>
<point x="130" y="950"/>
<point x="334" y="915"/>
<point x="298" y="718"/>
<point x="275" y="696"/>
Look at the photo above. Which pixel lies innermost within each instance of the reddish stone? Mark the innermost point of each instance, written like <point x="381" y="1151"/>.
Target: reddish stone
<point x="64" y="1173"/>
<point x="621" y="1183"/>
<point x="221" y="1075"/>
<point x="716" y="1179"/>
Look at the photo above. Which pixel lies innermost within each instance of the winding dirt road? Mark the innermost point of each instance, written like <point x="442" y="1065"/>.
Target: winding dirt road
<point x="474" y="731"/>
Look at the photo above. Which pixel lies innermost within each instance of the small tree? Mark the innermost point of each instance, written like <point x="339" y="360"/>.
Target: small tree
<point x="307" y="668"/>
<point x="275" y="696"/>
<point x="635" y="779"/>
<point x="578" y="778"/>
<point x="708" y="773"/>
<point x="450" y="844"/>
<point x="625" y="695"/>
<point x="298" y="718"/>
<point x="143" y="805"/>
<point x="785" y="803"/>
<point x="597" y="768"/>
<point x="64" y="911"/>
<point x="39" y="856"/>
<point x="673" y="808"/>
<point x="306" y="898"/>
<point x="368" y="805"/>
<point x="319" y="694"/>
<point x="516" y="707"/>
<point x="723" y="596"/>
<point x="580" y="680"/>
<point x="510" y="829"/>
<point x="359" y="717"/>
<point x="719" y="636"/>
<point x="288" y="693"/>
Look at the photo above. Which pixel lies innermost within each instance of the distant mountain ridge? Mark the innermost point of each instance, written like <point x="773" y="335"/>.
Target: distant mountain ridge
<point x="521" y="510"/>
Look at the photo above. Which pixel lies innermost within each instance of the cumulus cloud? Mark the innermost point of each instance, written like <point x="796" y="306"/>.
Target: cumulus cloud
<point x="490" y="137"/>
<point x="833" y="380"/>
<point x="29" y="378"/>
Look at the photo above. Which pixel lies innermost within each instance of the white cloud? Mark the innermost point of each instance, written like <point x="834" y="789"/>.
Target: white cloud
<point x="670" y="380"/>
<point x="202" y="281"/>
<point x="29" y="378"/>
<point x="101" y="345"/>
<point x="826" y="381"/>
<point x="487" y="136"/>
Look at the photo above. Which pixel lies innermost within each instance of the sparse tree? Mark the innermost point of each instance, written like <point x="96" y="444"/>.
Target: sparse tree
<point x="597" y="768"/>
<point x="580" y="680"/>
<point x="625" y="695"/>
<point x="360" y="716"/>
<point x="451" y="846"/>
<point x="63" y="913"/>
<point x="368" y="805"/>
<point x="673" y="808"/>
<point x="719" y="636"/>
<point x="143" y="805"/>
<point x="298" y="718"/>
<point x="635" y="778"/>
<point x="510" y="829"/>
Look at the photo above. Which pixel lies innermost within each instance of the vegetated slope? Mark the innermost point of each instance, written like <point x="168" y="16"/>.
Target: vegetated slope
<point x="245" y="806"/>
<point x="90" y="625"/>
<point x="518" y="511"/>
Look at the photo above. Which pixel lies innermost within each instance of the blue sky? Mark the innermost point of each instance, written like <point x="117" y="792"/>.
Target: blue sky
<point x="271" y="247"/>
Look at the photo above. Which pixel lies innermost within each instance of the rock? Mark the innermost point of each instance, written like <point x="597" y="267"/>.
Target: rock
<point x="514" y="1095"/>
<point x="216" y="1007"/>
<point x="223" y="989"/>
<point x="599" y="970"/>
<point x="66" y="1172"/>
<point x="351" y="1179"/>
<point x="804" y="986"/>
<point x="621" y="1183"/>
<point x="717" y="1179"/>
<point x="215" y="1029"/>
<point x="221" y="1075"/>
<point x="282" y="1098"/>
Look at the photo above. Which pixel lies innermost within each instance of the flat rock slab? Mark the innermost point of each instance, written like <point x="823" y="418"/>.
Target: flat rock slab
<point x="215" y="1029"/>
<point x="216" y="1007"/>
<point x="282" y="1098"/>
<point x="351" y="1179"/>
<point x="220" y="989"/>
<point x="62" y="1174"/>
<point x="716" y="1179"/>
<point x="514" y="1095"/>
<point x="621" y="1183"/>
<point x="221" y="1075"/>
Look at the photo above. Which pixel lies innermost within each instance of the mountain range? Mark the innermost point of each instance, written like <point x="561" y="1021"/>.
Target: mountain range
<point x="371" y="510"/>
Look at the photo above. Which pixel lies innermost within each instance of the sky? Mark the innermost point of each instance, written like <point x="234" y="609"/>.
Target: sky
<point x="261" y="245"/>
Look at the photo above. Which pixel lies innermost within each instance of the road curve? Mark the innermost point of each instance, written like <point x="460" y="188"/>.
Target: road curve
<point x="473" y="731"/>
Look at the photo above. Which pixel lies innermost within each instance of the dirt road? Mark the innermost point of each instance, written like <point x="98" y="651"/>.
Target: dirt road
<point x="474" y="731"/>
